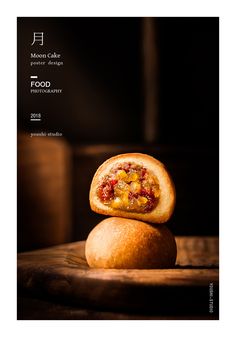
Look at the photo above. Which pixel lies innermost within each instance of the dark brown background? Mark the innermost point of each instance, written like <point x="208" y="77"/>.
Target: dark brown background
<point x="102" y="112"/>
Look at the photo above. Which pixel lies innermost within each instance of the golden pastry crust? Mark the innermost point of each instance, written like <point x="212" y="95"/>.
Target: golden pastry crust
<point x="166" y="203"/>
<point x="130" y="244"/>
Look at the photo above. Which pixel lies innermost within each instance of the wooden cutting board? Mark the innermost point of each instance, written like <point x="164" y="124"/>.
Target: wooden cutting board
<point x="61" y="272"/>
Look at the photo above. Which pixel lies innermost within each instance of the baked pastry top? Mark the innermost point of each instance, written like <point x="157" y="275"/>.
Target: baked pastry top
<point x="127" y="243"/>
<point x="133" y="185"/>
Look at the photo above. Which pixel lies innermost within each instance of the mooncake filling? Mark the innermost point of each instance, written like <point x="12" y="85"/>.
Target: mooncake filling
<point x="129" y="187"/>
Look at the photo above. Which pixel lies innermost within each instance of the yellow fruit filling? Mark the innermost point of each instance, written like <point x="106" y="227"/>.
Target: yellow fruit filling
<point x="129" y="187"/>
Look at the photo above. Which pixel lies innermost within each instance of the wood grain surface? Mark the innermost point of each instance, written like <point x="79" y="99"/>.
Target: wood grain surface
<point x="61" y="272"/>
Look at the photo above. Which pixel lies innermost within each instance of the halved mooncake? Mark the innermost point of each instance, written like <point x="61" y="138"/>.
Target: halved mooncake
<point x="133" y="185"/>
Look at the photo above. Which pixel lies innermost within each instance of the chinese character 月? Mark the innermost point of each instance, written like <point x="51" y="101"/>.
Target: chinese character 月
<point x="38" y="37"/>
